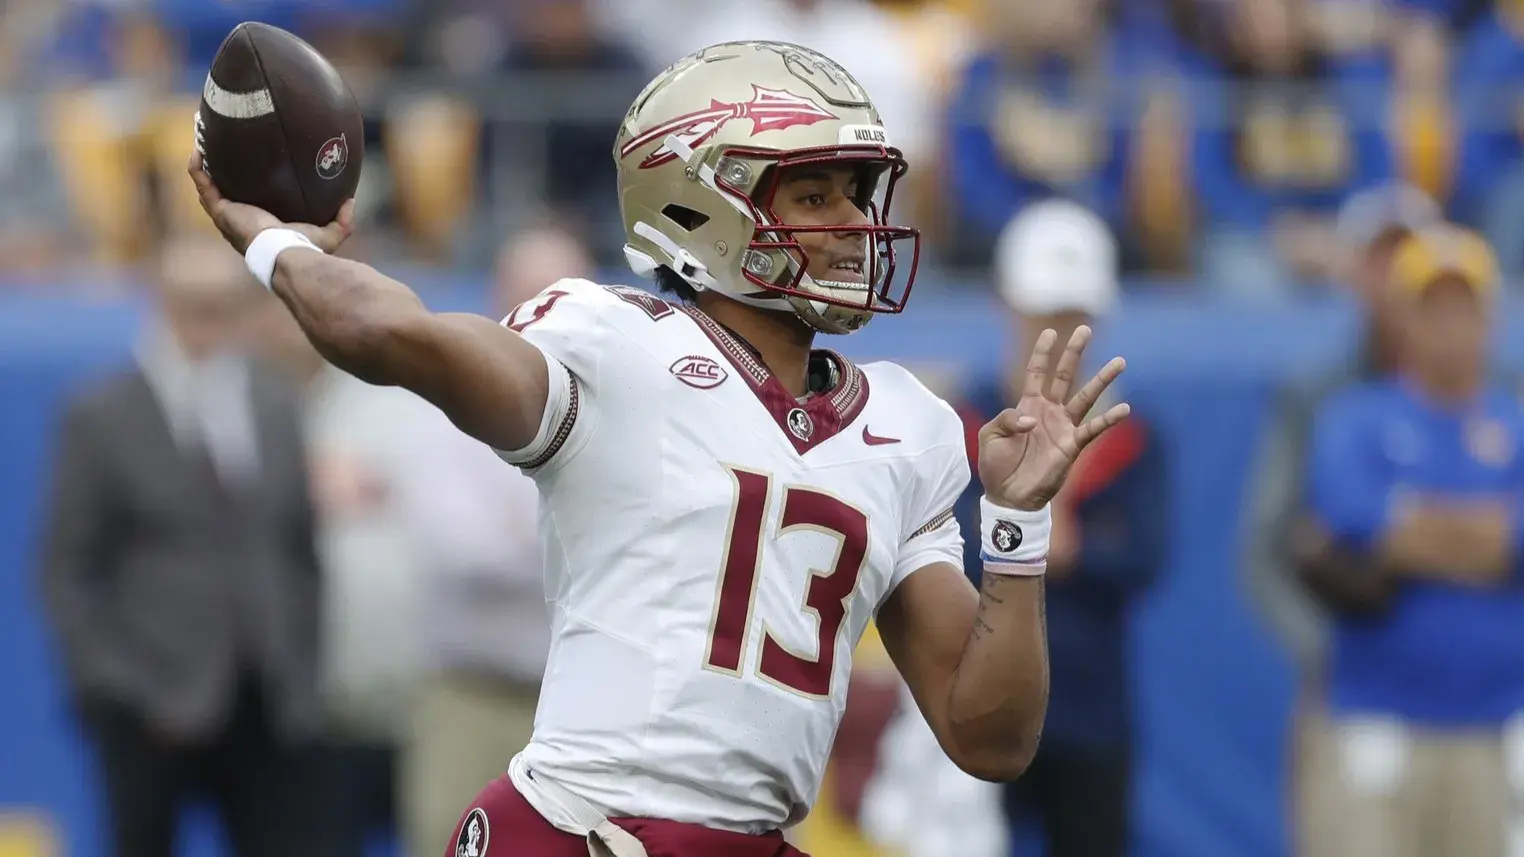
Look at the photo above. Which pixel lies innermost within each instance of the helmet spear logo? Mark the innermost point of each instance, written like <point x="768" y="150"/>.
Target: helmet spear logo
<point x="768" y="110"/>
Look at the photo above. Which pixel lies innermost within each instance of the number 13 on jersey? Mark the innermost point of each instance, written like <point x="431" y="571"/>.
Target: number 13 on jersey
<point x="826" y="595"/>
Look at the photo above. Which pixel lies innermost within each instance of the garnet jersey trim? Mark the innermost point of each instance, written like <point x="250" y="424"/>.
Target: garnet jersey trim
<point x="563" y="430"/>
<point x="563" y="405"/>
<point x="828" y="412"/>
<point x="937" y="522"/>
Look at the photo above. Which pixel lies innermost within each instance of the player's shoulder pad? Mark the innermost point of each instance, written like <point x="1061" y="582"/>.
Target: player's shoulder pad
<point x="583" y="298"/>
<point x="921" y="416"/>
<point x="585" y="302"/>
<point x="638" y="304"/>
<point x="587" y="326"/>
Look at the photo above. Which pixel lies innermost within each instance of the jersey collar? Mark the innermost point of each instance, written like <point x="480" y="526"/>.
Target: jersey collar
<point x="805" y="424"/>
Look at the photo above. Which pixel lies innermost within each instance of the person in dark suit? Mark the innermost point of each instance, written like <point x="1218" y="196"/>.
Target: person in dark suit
<point x="180" y="575"/>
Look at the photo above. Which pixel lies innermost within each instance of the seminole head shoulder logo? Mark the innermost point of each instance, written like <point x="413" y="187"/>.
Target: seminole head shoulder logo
<point x="768" y="110"/>
<point x="474" y="835"/>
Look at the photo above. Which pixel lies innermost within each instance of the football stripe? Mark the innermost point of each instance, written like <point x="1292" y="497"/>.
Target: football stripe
<point x="237" y="105"/>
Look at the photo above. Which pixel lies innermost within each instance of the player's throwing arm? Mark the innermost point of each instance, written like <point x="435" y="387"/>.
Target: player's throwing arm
<point x="489" y="381"/>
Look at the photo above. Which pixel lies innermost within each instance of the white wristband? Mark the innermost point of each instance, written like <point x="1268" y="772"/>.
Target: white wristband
<point x="1013" y="541"/>
<point x="267" y="247"/>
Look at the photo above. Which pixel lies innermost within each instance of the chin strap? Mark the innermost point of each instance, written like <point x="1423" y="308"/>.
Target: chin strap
<point x="683" y="263"/>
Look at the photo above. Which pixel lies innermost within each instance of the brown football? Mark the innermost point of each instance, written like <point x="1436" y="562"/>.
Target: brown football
<point x="278" y="128"/>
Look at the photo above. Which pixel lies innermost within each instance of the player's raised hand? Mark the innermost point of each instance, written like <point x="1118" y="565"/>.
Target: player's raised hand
<point x="1025" y="453"/>
<point x="239" y="223"/>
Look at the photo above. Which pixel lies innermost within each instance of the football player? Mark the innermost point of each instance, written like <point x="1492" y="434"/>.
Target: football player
<point x="724" y="507"/>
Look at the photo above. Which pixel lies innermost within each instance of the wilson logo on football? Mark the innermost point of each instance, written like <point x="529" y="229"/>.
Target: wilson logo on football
<point x="700" y="372"/>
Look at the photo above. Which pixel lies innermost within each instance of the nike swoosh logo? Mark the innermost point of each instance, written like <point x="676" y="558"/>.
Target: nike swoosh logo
<point x="872" y="439"/>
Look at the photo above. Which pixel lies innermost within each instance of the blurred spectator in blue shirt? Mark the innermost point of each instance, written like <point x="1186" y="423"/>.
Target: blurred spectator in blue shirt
<point x="82" y="41"/>
<point x="104" y="67"/>
<point x="33" y="219"/>
<point x="200" y="26"/>
<point x="1489" y="73"/>
<point x="553" y="39"/>
<point x="1057" y="267"/>
<point x="1038" y="114"/>
<point x="1420" y="127"/>
<point x="1414" y="484"/>
<point x="1459" y="15"/>
<point x="1285" y="131"/>
<point x="1370" y="228"/>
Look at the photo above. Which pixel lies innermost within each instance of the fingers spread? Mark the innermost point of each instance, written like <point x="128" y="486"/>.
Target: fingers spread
<point x="1097" y="426"/>
<point x="1091" y="393"/>
<point x="1037" y="365"/>
<point x="1069" y="363"/>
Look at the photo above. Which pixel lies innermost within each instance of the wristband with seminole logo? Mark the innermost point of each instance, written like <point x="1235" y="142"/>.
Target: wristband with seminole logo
<point x="1013" y="541"/>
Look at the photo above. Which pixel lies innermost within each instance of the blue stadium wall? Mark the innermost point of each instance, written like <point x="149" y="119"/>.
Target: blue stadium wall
<point x="1214" y="692"/>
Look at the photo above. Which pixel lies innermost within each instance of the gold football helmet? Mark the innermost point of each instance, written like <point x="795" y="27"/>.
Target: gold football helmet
<point x="699" y="157"/>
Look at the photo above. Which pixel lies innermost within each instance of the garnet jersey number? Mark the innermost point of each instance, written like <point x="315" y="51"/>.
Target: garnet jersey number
<point x="826" y="595"/>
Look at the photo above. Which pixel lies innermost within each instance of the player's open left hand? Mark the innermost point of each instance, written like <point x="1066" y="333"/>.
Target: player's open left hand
<point x="1025" y="453"/>
<point x="239" y="223"/>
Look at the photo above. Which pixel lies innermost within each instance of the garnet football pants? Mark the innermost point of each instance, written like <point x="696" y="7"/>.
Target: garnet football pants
<point x="501" y="823"/>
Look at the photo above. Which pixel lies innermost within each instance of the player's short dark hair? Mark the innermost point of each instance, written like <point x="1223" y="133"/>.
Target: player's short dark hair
<point x="668" y="282"/>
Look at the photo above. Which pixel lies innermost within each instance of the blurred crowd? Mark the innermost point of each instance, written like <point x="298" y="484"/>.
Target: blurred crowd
<point x="315" y="602"/>
<point x="1218" y="138"/>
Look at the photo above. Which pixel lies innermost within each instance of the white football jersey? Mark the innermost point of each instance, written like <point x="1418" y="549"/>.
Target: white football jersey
<point x="714" y="550"/>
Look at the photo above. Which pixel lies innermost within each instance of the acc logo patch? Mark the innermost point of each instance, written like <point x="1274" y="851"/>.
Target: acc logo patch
<point x="699" y="371"/>
<point x="474" y="833"/>
<point x="333" y="157"/>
